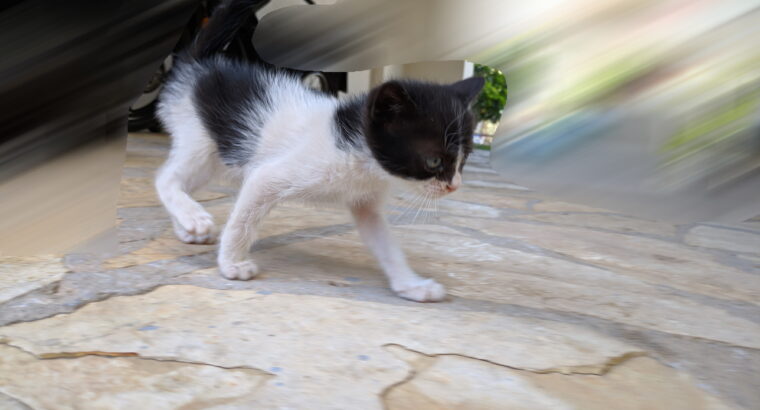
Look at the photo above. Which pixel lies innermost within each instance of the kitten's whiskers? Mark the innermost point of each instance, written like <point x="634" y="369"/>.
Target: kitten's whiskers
<point x="409" y="205"/>
<point x="422" y="204"/>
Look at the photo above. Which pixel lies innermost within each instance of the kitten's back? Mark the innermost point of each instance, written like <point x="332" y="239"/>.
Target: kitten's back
<point x="241" y="106"/>
<point x="233" y="101"/>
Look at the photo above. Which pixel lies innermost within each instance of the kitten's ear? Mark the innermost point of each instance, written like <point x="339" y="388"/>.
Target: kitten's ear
<point x="468" y="89"/>
<point x="391" y="100"/>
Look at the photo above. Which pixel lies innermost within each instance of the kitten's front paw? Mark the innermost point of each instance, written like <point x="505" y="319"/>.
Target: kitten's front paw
<point x="199" y="229"/>
<point x="244" y="270"/>
<point x="424" y="290"/>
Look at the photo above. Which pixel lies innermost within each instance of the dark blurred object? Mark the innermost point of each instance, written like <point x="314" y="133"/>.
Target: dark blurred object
<point x="70" y="70"/>
<point x="142" y="111"/>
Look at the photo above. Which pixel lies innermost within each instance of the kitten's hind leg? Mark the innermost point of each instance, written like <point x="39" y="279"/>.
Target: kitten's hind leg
<point x="191" y="164"/>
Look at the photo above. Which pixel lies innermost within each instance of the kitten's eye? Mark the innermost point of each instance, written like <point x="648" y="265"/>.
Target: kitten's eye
<point x="433" y="162"/>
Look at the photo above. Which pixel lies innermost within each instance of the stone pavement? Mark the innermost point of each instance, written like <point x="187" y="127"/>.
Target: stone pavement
<point x="552" y="305"/>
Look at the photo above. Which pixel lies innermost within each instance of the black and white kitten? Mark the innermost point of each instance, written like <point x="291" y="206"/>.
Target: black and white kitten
<point x="283" y="140"/>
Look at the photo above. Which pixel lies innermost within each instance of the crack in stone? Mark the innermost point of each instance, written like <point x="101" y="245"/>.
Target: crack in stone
<point x="593" y="369"/>
<point x="150" y="238"/>
<point x="388" y="389"/>
<point x="46" y="289"/>
<point x="131" y="355"/>
<point x="72" y="355"/>
<point x="72" y="308"/>
<point x="416" y="368"/>
<point x="599" y="369"/>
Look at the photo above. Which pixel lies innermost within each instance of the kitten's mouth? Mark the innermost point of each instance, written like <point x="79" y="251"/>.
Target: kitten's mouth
<point x="438" y="193"/>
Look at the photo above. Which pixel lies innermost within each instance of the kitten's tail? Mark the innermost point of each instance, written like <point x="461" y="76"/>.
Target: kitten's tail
<point x="225" y="23"/>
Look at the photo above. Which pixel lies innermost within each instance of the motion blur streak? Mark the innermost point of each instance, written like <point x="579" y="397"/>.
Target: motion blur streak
<point x="647" y="107"/>
<point x="68" y="74"/>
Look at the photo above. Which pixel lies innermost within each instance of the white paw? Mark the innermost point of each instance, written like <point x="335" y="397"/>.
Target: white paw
<point x="244" y="270"/>
<point x="424" y="290"/>
<point x="199" y="228"/>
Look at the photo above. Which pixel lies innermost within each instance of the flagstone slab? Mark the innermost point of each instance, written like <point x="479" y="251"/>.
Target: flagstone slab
<point x="20" y="275"/>
<point x="322" y="352"/>
<point x="654" y="261"/>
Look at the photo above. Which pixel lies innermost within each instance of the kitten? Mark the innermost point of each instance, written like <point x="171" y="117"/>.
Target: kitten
<point x="283" y="140"/>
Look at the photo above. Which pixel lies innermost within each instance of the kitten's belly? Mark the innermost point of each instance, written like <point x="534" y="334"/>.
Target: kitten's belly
<point x="345" y="192"/>
<point x="339" y="197"/>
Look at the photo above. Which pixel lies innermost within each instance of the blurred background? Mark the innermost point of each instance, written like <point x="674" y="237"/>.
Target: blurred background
<point x="647" y="107"/>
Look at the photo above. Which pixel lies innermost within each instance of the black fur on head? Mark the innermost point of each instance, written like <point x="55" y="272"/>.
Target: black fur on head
<point x="417" y="130"/>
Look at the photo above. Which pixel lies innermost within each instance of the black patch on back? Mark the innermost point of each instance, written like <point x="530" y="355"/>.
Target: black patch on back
<point x="349" y="121"/>
<point x="224" y="97"/>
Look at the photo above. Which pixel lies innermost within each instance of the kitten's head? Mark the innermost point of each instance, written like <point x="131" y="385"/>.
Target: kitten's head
<point x="422" y="132"/>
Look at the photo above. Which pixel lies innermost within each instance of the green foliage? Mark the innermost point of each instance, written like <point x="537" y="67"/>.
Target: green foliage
<point x="492" y="99"/>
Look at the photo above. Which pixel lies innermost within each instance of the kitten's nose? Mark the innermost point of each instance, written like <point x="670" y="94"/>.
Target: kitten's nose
<point x="455" y="182"/>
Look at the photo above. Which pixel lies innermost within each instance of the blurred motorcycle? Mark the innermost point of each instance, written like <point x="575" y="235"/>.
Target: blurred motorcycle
<point x="142" y="112"/>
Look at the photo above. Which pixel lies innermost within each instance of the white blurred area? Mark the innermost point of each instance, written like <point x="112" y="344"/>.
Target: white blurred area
<point x="651" y="108"/>
<point x="646" y="107"/>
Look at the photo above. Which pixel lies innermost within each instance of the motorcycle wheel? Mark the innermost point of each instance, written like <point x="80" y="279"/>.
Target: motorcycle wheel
<point x="316" y="81"/>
